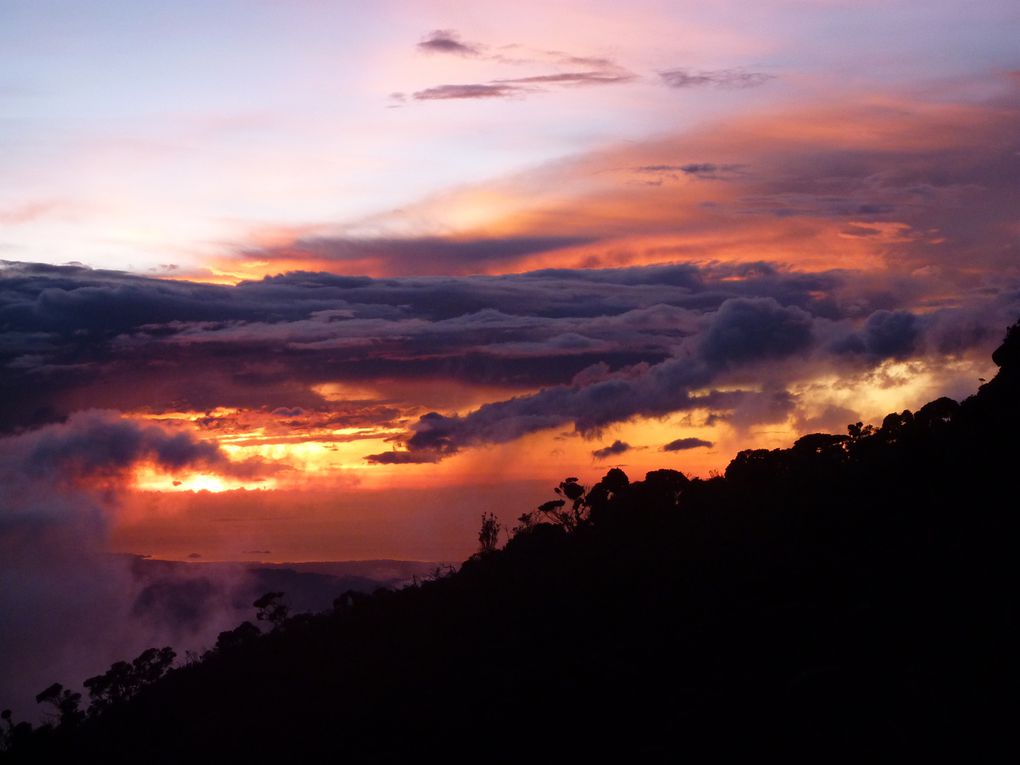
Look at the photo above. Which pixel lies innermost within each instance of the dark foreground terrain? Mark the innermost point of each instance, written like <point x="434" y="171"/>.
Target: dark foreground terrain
<point x="849" y="599"/>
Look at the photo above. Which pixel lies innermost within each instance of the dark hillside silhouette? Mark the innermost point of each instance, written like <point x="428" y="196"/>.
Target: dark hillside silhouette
<point x="846" y="599"/>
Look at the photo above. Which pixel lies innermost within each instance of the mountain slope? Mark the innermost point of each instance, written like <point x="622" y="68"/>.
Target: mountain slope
<point x="847" y="598"/>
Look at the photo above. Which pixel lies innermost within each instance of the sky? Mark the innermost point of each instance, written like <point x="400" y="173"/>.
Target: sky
<point x="310" y="280"/>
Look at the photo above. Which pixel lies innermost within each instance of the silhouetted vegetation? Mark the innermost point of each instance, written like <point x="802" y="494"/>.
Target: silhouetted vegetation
<point x="488" y="534"/>
<point x="847" y="599"/>
<point x="123" y="680"/>
<point x="272" y="609"/>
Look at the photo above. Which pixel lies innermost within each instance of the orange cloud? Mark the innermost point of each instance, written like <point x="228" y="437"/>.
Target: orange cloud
<point x="804" y="186"/>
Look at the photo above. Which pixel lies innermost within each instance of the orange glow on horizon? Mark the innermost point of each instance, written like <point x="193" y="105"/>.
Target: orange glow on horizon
<point x="295" y="456"/>
<point x="149" y="479"/>
<point x="338" y="506"/>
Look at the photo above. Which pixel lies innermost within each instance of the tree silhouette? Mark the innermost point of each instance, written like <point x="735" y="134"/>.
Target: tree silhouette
<point x="14" y="736"/>
<point x="125" y="679"/>
<point x="272" y="609"/>
<point x="240" y="636"/>
<point x="65" y="704"/>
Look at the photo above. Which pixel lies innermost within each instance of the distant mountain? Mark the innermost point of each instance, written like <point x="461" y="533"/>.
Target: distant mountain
<point x="849" y="599"/>
<point x="388" y="573"/>
<point x="310" y="586"/>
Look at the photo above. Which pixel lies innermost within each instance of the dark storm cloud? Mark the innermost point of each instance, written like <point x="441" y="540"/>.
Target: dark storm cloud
<point x="719" y="78"/>
<point x="615" y="397"/>
<point x="742" y="335"/>
<point x="449" y="42"/>
<point x="95" y="443"/>
<point x="886" y="334"/>
<point x="682" y="444"/>
<point x="755" y="329"/>
<point x="891" y="333"/>
<point x="598" y="346"/>
<point x="741" y="332"/>
<point x="615" y="448"/>
<point x="98" y="443"/>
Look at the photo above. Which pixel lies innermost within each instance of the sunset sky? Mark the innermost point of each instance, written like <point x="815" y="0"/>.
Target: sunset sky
<point x="311" y="280"/>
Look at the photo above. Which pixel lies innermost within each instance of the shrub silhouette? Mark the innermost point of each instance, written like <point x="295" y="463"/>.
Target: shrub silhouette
<point x="488" y="534"/>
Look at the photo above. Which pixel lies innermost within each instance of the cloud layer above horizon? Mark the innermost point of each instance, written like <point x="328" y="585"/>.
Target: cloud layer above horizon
<point x="567" y="347"/>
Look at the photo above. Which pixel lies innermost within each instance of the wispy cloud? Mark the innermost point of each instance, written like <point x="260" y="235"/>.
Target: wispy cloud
<point x="597" y="77"/>
<point x="27" y="212"/>
<point x="718" y="78"/>
<point x="468" y="91"/>
<point x="519" y="86"/>
<point x="702" y="170"/>
<point x="411" y="255"/>
<point x="597" y="70"/>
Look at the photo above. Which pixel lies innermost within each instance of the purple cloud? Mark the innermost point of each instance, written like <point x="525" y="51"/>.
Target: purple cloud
<point x="719" y="78"/>
<point x="682" y="444"/>
<point x="615" y="448"/>
<point x="449" y="42"/>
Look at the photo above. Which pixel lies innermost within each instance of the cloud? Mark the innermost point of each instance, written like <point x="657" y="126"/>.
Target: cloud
<point x="71" y="608"/>
<point x="519" y="86"/>
<point x="266" y="347"/>
<point x="718" y="78"/>
<point x="699" y="168"/>
<point x="99" y="443"/>
<point x="742" y="331"/>
<point x="891" y="334"/>
<point x="407" y="256"/>
<point x="90" y="447"/>
<point x="886" y="334"/>
<point x="596" y="71"/>
<point x="615" y="448"/>
<point x="711" y="171"/>
<point x="742" y="335"/>
<point x="401" y="458"/>
<point x="468" y="91"/>
<point x="890" y="182"/>
<point x="28" y="212"/>
<point x="756" y="329"/>
<point x="705" y="171"/>
<point x="682" y="444"/>
<point x="597" y="77"/>
<point x="449" y="42"/>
